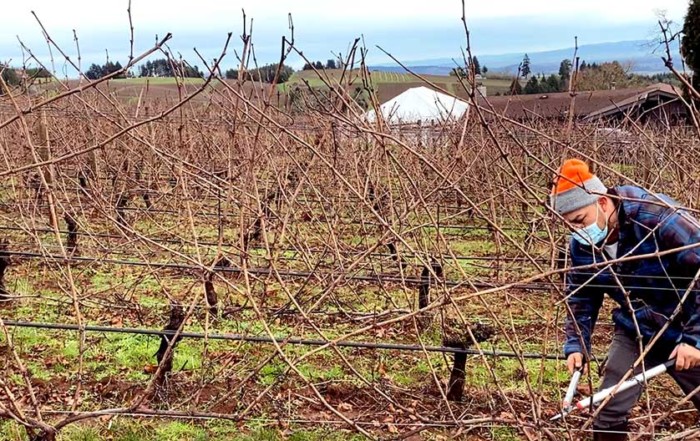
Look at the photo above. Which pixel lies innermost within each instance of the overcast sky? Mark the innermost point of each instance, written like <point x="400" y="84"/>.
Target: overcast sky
<point x="411" y="30"/>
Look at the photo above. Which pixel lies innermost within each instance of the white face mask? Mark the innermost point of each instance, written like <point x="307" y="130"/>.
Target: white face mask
<point x="591" y="234"/>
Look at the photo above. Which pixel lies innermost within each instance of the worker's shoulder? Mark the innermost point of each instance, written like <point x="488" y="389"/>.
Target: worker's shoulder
<point x="631" y="192"/>
<point x="637" y="201"/>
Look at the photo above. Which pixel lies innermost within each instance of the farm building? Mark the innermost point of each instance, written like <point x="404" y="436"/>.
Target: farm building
<point x="659" y="103"/>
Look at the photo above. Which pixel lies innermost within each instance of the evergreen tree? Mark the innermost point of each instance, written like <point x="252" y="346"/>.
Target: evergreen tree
<point x="38" y="72"/>
<point x="94" y="72"/>
<point x="307" y="66"/>
<point x="109" y="68"/>
<point x="458" y="72"/>
<point x="484" y="70"/>
<point x="690" y="44"/>
<point x="532" y="86"/>
<point x="565" y="69"/>
<point x="10" y="76"/>
<point x="515" y="87"/>
<point x="318" y="65"/>
<point x="525" y="66"/>
<point x="477" y="66"/>
<point x="554" y="84"/>
<point x="157" y="68"/>
<point x="330" y="64"/>
<point x="583" y="66"/>
<point x="265" y="74"/>
<point x="163" y="67"/>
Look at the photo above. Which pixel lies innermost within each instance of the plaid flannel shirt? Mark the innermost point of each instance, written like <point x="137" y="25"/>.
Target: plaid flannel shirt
<point x="655" y="285"/>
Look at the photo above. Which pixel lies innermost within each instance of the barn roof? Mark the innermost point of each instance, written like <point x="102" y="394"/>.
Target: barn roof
<point x="665" y="93"/>
<point x="588" y="105"/>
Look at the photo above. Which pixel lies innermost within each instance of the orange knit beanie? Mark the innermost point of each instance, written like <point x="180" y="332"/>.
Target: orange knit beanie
<point x="575" y="187"/>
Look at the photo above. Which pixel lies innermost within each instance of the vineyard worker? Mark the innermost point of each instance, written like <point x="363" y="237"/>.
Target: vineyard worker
<point x="612" y="223"/>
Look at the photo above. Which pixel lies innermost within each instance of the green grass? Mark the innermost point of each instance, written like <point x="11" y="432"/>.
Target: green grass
<point x="134" y="352"/>
<point x="104" y="356"/>
<point x="511" y="377"/>
<point x="271" y="372"/>
<point x="157" y="430"/>
<point x="121" y="358"/>
<point x="410" y="374"/>
<point x="81" y="433"/>
<point x="11" y="431"/>
<point x="473" y="247"/>
<point x="504" y="434"/>
<point x="314" y="373"/>
<point x="163" y="430"/>
<point x="179" y="430"/>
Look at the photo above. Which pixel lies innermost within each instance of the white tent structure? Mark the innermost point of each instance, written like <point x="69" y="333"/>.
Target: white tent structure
<point x="420" y="105"/>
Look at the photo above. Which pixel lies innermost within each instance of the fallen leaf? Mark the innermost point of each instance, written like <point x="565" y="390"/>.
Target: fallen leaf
<point x="584" y="389"/>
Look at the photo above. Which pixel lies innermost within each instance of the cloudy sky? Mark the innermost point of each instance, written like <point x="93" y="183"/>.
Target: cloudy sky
<point x="411" y="30"/>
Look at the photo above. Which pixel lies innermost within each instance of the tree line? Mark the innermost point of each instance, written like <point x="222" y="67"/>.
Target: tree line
<point x="154" y="68"/>
<point x="14" y="77"/>
<point x="462" y="72"/>
<point x="318" y="65"/>
<point x="169" y="68"/>
<point x="95" y="71"/>
<point x="265" y="74"/>
<point x="590" y="76"/>
<point x="9" y="76"/>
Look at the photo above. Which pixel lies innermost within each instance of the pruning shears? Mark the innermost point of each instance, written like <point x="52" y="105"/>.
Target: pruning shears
<point x="600" y="396"/>
<point x="569" y="397"/>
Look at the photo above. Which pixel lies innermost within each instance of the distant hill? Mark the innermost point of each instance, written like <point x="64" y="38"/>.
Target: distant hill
<point x="644" y="56"/>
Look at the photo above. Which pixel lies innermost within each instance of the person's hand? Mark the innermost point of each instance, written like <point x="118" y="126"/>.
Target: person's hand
<point x="687" y="357"/>
<point x="575" y="361"/>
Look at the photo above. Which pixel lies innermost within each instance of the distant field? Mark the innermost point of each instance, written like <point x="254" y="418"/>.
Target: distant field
<point x="392" y="83"/>
<point x="377" y="77"/>
<point x="388" y="84"/>
<point x="156" y="81"/>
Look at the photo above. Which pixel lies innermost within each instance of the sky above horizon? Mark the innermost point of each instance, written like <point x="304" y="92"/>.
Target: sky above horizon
<point x="409" y="30"/>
